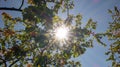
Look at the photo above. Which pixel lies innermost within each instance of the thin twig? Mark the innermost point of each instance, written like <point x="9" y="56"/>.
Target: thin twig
<point x="4" y="61"/>
<point x="21" y="4"/>
<point x="15" y="61"/>
<point x="12" y="9"/>
<point x="67" y="8"/>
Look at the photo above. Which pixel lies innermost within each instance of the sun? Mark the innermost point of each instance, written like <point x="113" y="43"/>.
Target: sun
<point x="61" y="33"/>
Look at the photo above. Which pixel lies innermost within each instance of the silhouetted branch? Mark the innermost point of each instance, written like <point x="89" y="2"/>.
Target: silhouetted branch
<point x="13" y="9"/>
<point x="4" y="61"/>
<point x="21" y="4"/>
<point x="46" y="47"/>
<point x="15" y="61"/>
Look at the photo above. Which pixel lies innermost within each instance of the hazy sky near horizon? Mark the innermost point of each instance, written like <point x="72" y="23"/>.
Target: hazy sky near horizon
<point x="95" y="9"/>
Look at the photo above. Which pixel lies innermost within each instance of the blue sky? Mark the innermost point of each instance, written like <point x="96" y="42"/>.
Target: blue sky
<point x="95" y="9"/>
<point x="98" y="11"/>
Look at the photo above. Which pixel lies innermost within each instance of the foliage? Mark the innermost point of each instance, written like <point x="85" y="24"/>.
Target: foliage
<point x="113" y="34"/>
<point x="35" y="43"/>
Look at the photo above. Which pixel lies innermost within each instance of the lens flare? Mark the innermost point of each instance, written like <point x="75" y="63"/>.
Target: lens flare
<point x="61" y="33"/>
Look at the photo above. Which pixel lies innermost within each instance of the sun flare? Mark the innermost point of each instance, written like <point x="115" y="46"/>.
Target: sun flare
<point x="61" y="33"/>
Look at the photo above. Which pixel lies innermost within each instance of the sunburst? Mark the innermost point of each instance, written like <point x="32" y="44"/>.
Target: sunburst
<point x="60" y="34"/>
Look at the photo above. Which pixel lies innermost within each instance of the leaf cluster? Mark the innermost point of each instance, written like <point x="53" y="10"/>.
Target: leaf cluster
<point x="34" y="43"/>
<point x="113" y="34"/>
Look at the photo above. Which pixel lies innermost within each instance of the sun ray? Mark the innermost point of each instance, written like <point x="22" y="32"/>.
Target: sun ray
<point x="60" y="34"/>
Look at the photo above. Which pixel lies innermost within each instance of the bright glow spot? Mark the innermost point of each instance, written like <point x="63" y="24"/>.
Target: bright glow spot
<point x="61" y="33"/>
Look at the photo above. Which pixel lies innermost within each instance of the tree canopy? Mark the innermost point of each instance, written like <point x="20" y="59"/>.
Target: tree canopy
<point x="113" y="34"/>
<point x="36" y="45"/>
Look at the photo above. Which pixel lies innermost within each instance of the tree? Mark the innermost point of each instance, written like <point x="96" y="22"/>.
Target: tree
<point x="113" y="34"/>
<point x="37" y="42"/>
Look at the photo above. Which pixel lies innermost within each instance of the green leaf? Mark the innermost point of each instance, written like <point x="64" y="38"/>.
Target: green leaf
<point x="109" y="11"/>
<point x="110" y="58"/>
<point x="116" y="10"/>
<point x="107" y="53"/>
<point x="98" y="40"/>
<point x="113" y="64"/>
<point x="75" y="54"/>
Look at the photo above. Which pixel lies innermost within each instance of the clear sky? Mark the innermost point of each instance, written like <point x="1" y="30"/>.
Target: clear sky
<point x="95" y="9"/>
<point x="98" y="11"/>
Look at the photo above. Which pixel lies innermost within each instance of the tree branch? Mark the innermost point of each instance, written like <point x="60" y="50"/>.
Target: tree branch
<point x="46" y="47"/>
<point x="4" y="61"/>
<point x="21" y="4"/>
<point x="12" y="9"/>
<point x="15" y="61"/>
